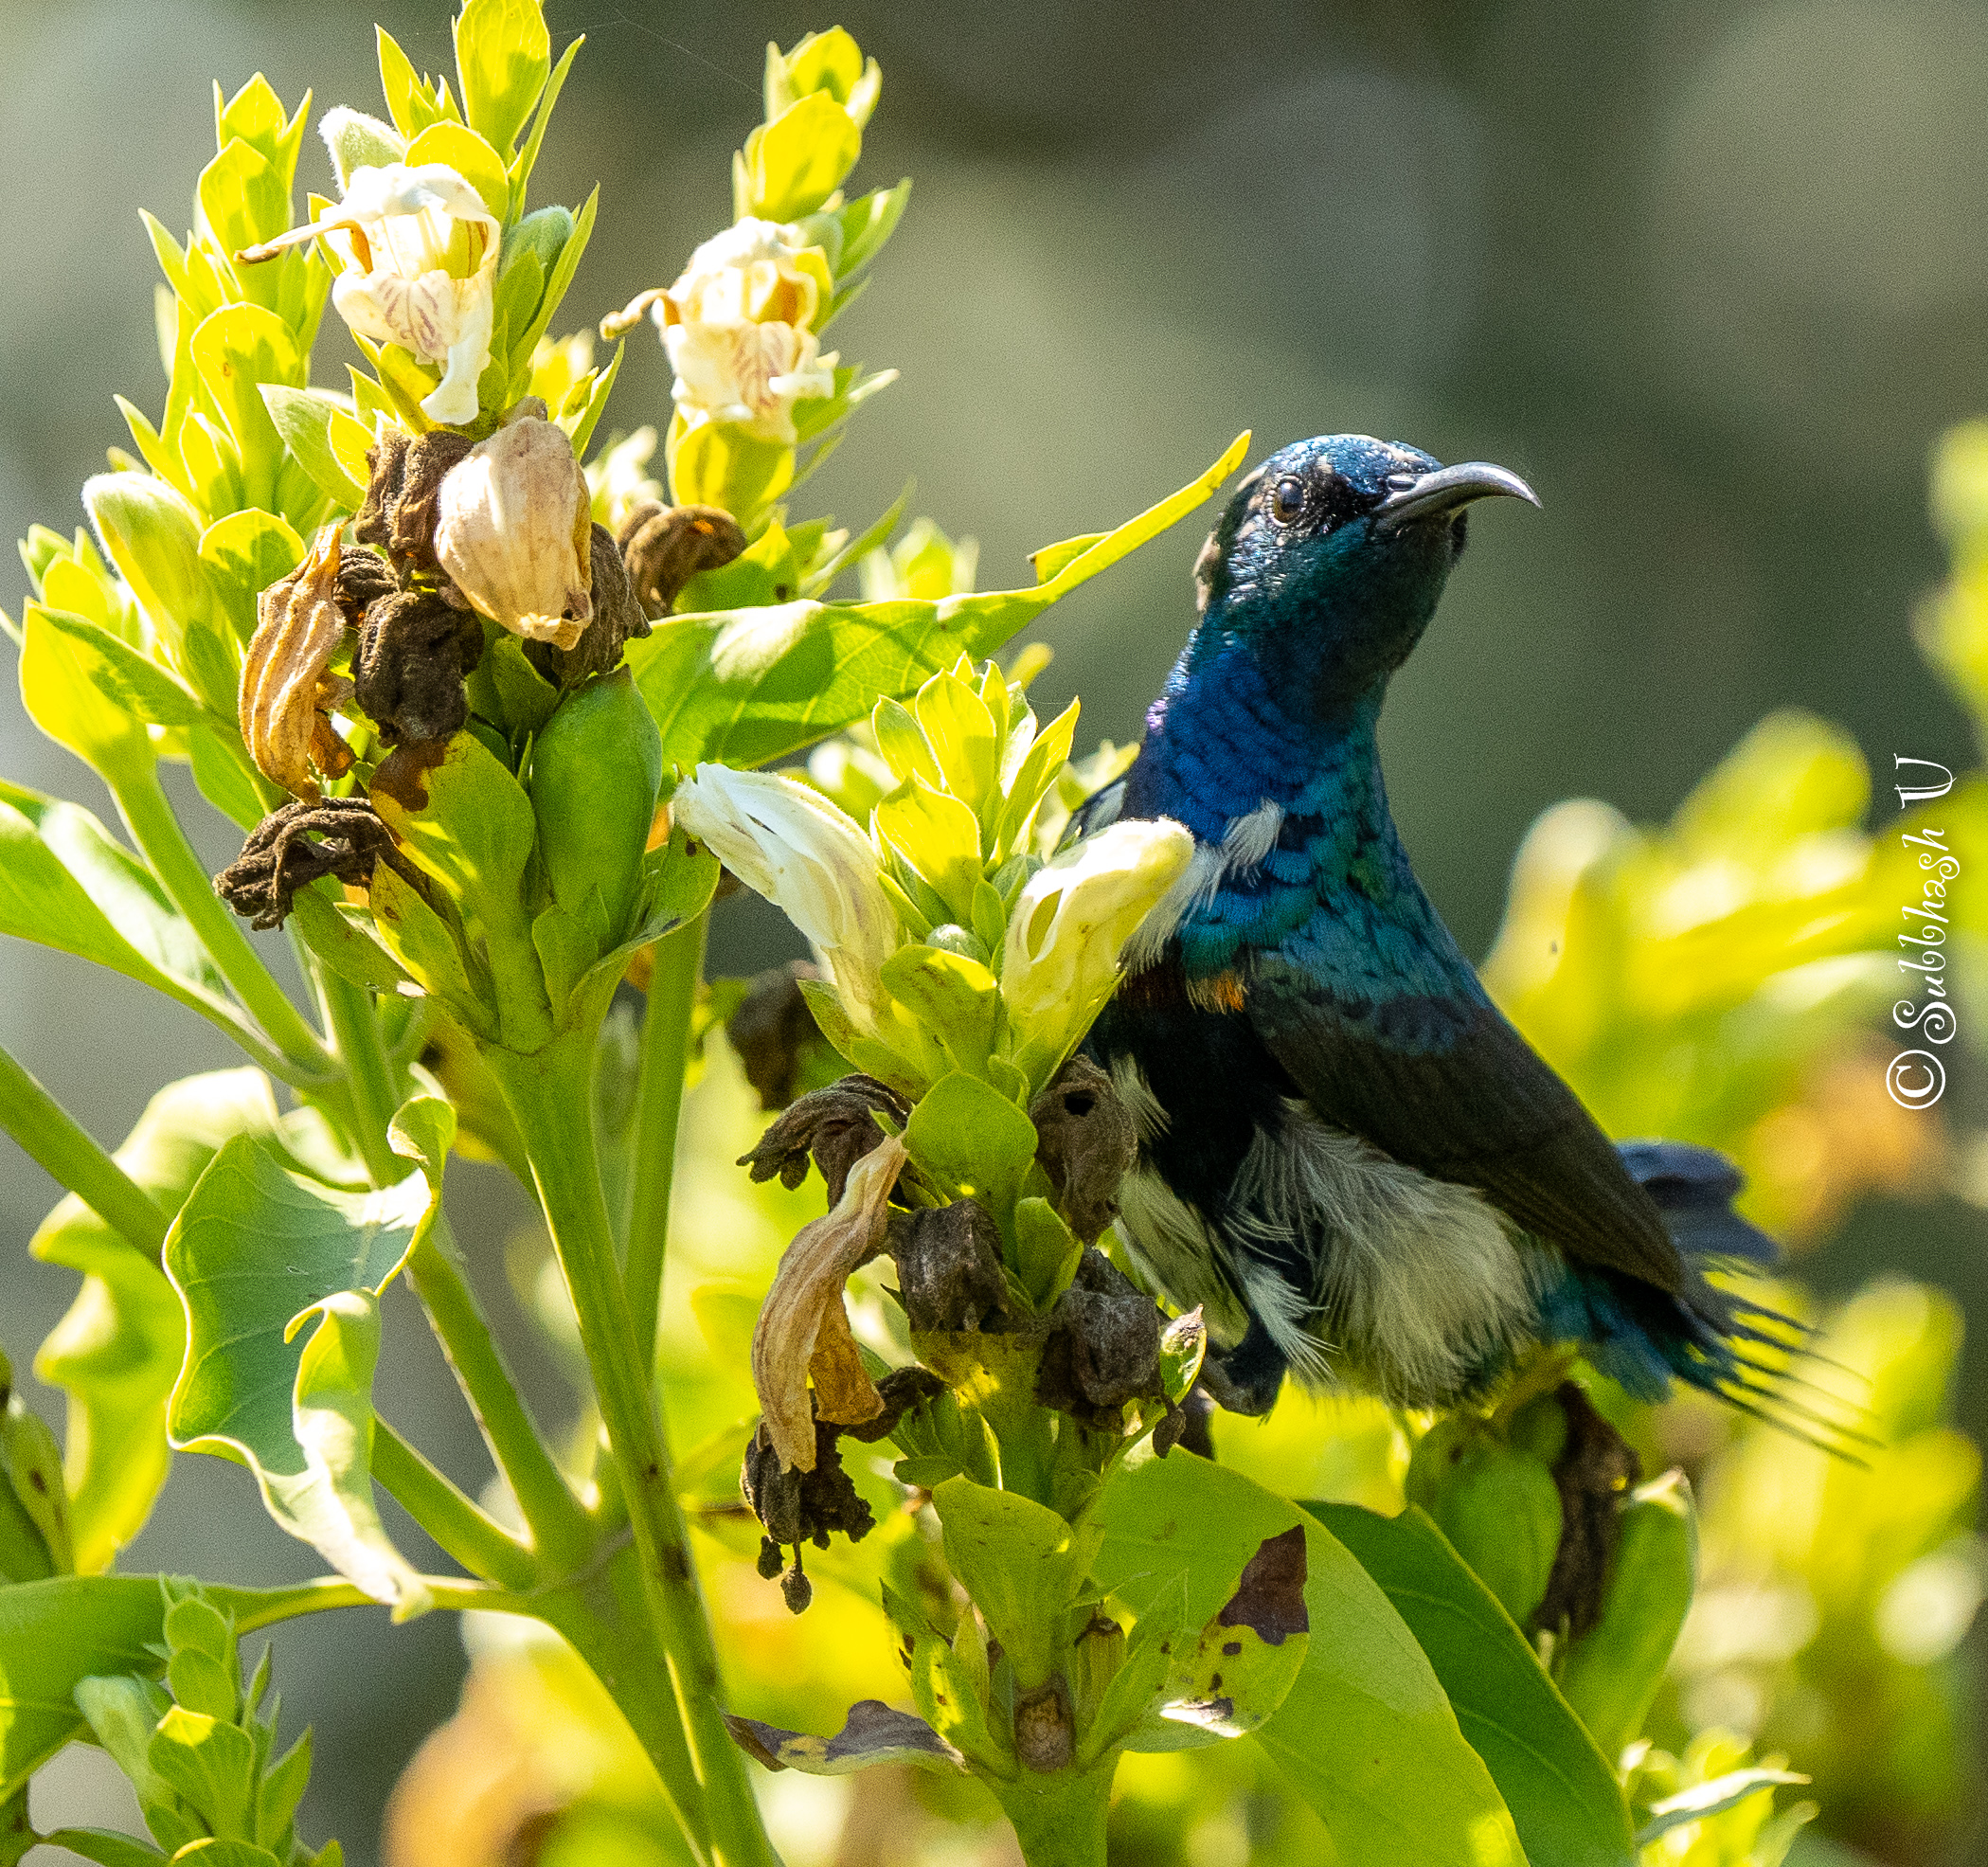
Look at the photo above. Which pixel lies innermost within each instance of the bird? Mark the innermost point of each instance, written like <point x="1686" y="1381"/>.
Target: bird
<point x="1347" y="1157"/>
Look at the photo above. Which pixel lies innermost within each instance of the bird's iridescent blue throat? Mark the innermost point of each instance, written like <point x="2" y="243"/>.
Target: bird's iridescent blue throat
<point x="1348" y="1157"/>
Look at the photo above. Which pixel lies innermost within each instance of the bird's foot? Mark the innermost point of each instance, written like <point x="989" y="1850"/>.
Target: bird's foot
<point x="1248" y="1377"/>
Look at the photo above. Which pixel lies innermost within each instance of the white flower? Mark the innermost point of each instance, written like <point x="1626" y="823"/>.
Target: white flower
<point x="787" y="842"/>
<point x="420" y="252"/>
<point x="737" y="326"/>
<point x="1070" y="926"/>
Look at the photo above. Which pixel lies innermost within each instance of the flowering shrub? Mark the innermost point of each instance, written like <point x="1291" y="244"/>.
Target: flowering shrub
<point x="492" y="710"/>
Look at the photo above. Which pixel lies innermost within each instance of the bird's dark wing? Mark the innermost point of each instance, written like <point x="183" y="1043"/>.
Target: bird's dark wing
<point x="1096" y="812"/>
<point x="1447" y="1085"/>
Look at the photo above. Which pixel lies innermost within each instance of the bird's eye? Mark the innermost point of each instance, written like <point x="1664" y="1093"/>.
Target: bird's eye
<point x="1288" y="500"/>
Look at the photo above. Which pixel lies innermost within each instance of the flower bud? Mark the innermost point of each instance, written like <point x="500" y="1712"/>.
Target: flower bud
<point x="514" y="532"/>
<point x="1068" y="926"/>
<point x="1501" y="1509"/>
<point x="420" y="250"/>
<point x="596" y="769"/>
<point x="1613" y="1671"/>
<point x="785" y="841"/>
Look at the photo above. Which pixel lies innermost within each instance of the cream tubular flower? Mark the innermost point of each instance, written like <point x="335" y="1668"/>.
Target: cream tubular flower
<point x="787" y="842"/>
<point x="737" y="326"/>
<point x="420" y="252"/>
<point x="1070" y="926"/>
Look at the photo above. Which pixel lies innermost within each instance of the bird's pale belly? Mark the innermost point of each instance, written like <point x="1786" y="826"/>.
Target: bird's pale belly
<point x="1407" y="1287"/>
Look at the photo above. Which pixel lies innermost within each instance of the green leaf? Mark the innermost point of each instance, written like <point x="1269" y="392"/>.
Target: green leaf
<point x="105" y="1846"/>
<point x="1024" y="1566"/>
<point x="59" y="675"/>
<point x="55" y="1634"/>
<point x="1366" y="1734"/>
<point x="421" y="941"/>
<point x="42" y="900"/>
<point x="237" y="349"/>
<point x="345" y="943"/>
<point x="118" y="884"/>
<point x="356" y="141"/>
<point x="256" y="1253"/>
<point x="503" y="57"/>
<point x="117" y="1351"/>
<point x="244" y="199"/>
<point x="409" y="98"/>
<point x="528" y="157"/>
<point x="1563" y="1795"/>
<point x="1047" y="1251"/>
<point x="153" y="535"/>
<point x="244" y="553"/>
<point x="748" y="686"/>
<point x="224" y="776"/>
<point x="1703" y="1801"/>
<point x="474" y="835"/>
<point x="955" y="999"/>
<point x="123" y="676"/>
<point x="795" y="162"/>
<point x="329" y="445"/>
<point x="210" y="1765"/>
<point x="872" y="1734"/>
<point x="938" y="836"/>
<point x="968" y="1135"/>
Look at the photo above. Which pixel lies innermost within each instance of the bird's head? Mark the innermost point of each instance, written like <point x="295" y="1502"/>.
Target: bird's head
<point x="1331" y="556"/>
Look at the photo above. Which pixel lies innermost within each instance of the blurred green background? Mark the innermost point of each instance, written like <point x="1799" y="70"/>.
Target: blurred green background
<point x="1713" y="276"/>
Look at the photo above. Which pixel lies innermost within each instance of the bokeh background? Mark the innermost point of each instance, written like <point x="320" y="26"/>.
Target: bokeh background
<point x="1713" y="276"/>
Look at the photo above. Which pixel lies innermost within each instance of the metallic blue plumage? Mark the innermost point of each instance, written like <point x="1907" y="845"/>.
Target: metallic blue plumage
<point x="1347" y="1155"/>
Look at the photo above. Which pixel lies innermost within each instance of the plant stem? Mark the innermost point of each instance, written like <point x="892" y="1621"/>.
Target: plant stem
<point x="142" y="802"/>
<point x="369" y="1078"/>
<point x="559" y="1531"/>
<point x="659" y="1100"/>
<point x="1059" y="1820"/>
<point x="49" y="1135"/>
<point x="550" y="1096"/>
<point x="264" y="1608"/>
<point x="605" y="1619"/>
<point x="479" y="1541"/>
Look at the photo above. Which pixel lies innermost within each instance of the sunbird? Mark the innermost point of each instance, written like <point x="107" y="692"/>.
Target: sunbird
<point x="1347" y="1155"/>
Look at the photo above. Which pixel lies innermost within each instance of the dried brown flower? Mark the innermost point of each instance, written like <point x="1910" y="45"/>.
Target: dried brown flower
<point x="285" y="690"/>
<point x="1085" y="1144"/>
<point x="803" y="1330"/>
<point x="617" y="620"/>
<point x="838" y="1126"/>
<point x="1102" y="1347"/>
<point x="1595" y="1471"/>
<point x="401" y="499"/>
<point x="772" y="1029"/>
<point x="949" y="1268"/>
<point x="415" y="651"/>
<point x="667" y="546"/>
<point x="280" y="856"/>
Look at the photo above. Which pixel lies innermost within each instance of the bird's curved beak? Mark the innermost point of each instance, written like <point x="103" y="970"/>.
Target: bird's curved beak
<point x="1447" y="488"/>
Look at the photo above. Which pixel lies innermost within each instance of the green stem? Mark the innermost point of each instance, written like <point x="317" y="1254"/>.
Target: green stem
<point x="659" y="1100"/>
<point x="1059" y="1818"/>
<point x="605" y="1619"/>
<point x="264" y="1608"/>
<point x="148" y="815"/>
<point x="479" y="1541"/>
<point x="49" y="1135"/>
<point x="355" y="1035"/>
<point x="560" y="1530"/>
<point x="550" y="1096"/>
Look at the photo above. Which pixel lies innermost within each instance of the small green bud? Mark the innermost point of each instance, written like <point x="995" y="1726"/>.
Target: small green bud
<point x="1499" y="1506"/>
<point x="595" y="770"/>
<point x="1613" y="1671"/>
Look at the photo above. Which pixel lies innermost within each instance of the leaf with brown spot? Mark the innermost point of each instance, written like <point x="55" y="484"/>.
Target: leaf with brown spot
<point x="873" y="1734"/>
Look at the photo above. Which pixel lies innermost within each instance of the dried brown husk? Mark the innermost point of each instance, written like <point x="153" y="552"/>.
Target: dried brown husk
<point x="803" y="1329"/>
<point x="514" y="532"/>
<point x="285" y="689"/>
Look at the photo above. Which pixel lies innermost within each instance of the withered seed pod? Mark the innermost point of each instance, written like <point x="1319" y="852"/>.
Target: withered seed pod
<point x="664" y="546"/>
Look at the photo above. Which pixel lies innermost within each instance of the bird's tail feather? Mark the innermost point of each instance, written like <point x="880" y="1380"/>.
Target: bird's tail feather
<point x="1711" y="1336"/>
